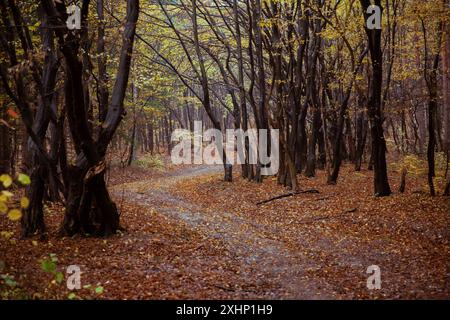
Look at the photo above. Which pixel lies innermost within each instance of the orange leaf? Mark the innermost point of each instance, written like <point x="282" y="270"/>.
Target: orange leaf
<point x="12" y="113"/>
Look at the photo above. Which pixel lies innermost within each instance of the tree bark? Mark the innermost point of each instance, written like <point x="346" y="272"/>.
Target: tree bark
<point x="381" y="182"/>
<point x="89" y="208"/>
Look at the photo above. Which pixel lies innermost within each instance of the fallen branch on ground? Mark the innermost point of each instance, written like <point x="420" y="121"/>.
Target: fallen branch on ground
<point x="290" y="194"/>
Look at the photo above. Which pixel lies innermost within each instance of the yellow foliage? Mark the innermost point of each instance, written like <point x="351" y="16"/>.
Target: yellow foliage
<point x="14" y="214"/>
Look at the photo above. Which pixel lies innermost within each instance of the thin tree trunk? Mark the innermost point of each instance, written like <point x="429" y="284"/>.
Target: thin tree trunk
<point x="381" y="182"/>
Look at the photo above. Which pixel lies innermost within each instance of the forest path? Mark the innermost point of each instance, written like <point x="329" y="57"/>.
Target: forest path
<point x="257" y="256"/>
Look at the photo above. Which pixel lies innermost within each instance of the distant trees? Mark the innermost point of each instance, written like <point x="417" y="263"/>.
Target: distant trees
<point x="303" y="67"/>
<point x="315" y="62"/>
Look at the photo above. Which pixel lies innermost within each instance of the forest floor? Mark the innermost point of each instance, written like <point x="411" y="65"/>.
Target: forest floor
<point x="189" y="235"/>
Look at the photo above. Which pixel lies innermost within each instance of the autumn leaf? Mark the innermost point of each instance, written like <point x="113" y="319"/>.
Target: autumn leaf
<point x="12" y="113"/>
<point x="3" y="207"/>
<point x="14" y="214"/>
<point x="7" y="194"/>
<point x="24" y="202"/>
<point x="6" y="180"/>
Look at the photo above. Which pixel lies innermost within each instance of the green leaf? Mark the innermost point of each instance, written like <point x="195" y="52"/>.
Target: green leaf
<point x="48" y="266"/>
<point x="59" y="277"/>
<point x="9" y="281"/>
<point x="99" y="290"/>
<point x="24" y="179"/>
<point x="71" y="296"/>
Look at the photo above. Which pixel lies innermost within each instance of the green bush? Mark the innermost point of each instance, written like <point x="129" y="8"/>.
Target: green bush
<point x="150" y="161"/>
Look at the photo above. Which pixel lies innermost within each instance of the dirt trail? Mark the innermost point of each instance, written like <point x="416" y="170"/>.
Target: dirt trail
<point x="267" y="259"/>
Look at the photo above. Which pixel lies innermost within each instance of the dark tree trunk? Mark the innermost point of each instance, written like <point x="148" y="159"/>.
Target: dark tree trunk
<point x="312" y="95"/>
<point x="361" y="134"/>
<point x="339" y="143"/>
<point x="132" y="150"/>
<point x="432" y="106"/>
<point x="206" y="100"/>
<point x="402" y="187"/>
<point x="242" y="97"/>
<point x="431" y="75"/>
<point x="381" y="182"/>
<point x="102" y="95"/>
<point x="133" y="147"/>
<point x="33" y="216"/>
<point x="447" y="188"/>
<point x="5" y="142"/>
<point x="89" y="207"/>
<point x="151" y="139"/>
<point x="261" y="112"/>
<point x="311" y="162"/>
<point x="302" y="141"/>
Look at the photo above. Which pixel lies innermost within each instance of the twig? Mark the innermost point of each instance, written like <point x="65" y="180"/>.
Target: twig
<point x="291" y="194"/>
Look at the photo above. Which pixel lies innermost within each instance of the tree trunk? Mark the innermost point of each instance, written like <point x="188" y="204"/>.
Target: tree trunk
<point x="446" y="87"/>
<point x="361" y="134"/>
<point x="381" y="182"/>
<point x="89" y="208"/>
<point x="33" y="216"/>
<point x="431" y="79"/>
<point x="311" y="161"/>
<point x="5" y="142"/>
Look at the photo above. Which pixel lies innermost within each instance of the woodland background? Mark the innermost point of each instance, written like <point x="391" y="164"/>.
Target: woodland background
<point x="86" y="120"/>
